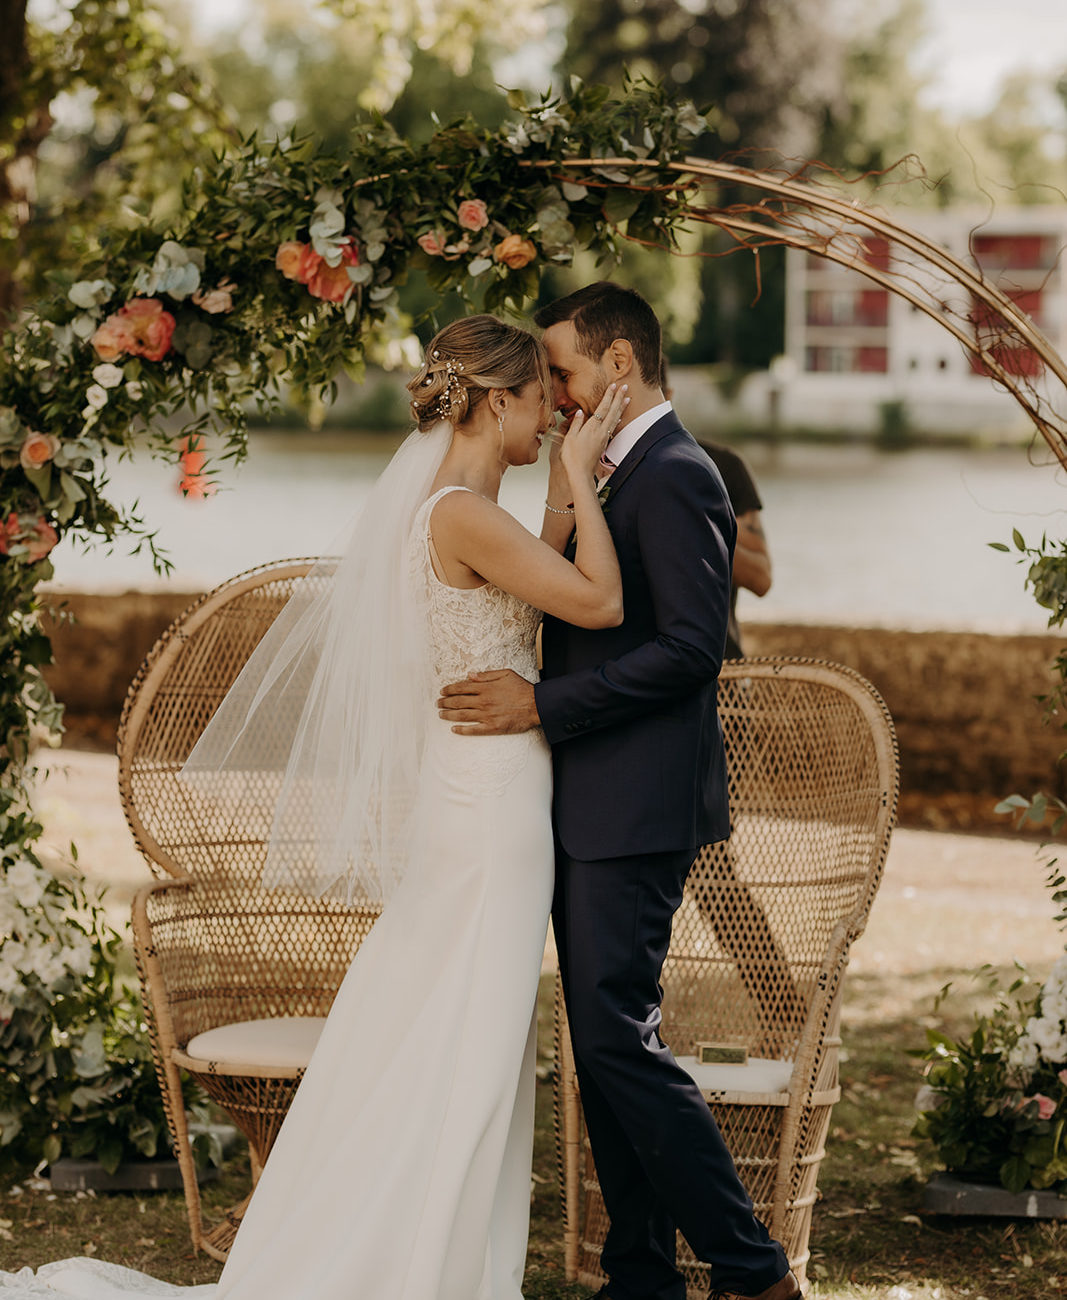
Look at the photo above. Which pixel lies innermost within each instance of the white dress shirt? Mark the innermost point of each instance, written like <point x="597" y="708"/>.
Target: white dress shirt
<point x="630" y="434"/>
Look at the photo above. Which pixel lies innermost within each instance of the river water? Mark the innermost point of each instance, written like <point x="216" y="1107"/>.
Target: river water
<point x="857" y="536"/>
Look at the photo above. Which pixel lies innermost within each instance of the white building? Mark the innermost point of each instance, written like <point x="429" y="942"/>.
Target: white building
<point x="853" y="346"/>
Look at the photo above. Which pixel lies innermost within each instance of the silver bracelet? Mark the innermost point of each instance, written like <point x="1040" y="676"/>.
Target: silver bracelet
<point x="557" y="511"/>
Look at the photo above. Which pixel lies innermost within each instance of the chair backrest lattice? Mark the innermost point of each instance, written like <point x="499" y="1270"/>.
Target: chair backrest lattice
<point x="768" y="916"/>
<point x="215" y="835"/>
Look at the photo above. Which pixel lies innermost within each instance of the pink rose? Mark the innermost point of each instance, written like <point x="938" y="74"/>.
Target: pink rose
<point x="515" y="252"/>
<point x="37" y="450"/>
<point x="473" y="215"/>
<point x="332" y="283"/>
<point x="432" y="242"/>
<point x="1046" y="1107"/>
<point x="112" y="339"/>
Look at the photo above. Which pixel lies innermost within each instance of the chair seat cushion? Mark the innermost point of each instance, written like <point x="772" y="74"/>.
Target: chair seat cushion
<point x="284" y="1042"/>
<point x="757" y="1075"/>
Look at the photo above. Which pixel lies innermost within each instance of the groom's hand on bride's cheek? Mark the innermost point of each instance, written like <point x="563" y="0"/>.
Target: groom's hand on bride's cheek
<point x="495" y="703"/>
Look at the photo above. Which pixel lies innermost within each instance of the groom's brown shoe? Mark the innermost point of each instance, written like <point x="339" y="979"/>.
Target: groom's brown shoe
<point x="786" y="1288"/>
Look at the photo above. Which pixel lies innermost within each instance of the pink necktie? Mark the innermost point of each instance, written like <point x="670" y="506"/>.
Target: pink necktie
<point x="604" y="470"/>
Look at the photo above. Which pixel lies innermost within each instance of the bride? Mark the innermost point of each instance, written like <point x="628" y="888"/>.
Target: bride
<point x="402" y="1169"/>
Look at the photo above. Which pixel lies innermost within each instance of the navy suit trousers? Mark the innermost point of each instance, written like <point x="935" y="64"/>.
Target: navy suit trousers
<point x="660" y="1158"/>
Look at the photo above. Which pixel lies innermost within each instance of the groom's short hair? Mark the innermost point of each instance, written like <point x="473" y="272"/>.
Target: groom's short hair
<point x="603" y="312"/>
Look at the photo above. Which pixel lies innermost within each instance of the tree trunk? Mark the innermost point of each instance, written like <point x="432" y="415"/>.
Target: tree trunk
<point x="22" y="128"/>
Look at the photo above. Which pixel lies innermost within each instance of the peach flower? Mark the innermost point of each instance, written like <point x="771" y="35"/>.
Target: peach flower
<point x="113" y="338"/>
<point x="216" y="300"/>
<point x="515" y="252"/>
<point x="297" y="261"/>
<point x="332" y="283"/>
<point x="37" y="450"/>
<point x="288" y="258"/>
<point x="473" y="215"/>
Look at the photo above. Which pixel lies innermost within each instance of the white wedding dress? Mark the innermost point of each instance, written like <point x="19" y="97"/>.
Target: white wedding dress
<point x="402" y="1171"/>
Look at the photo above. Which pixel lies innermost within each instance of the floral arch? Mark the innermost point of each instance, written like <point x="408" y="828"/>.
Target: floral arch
<point x="287" y="270"/>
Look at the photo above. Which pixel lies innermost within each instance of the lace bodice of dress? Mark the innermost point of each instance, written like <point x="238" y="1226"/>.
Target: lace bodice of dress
<point x="470" y="629"/>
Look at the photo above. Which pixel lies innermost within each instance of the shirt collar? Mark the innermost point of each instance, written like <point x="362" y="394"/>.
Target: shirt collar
<point x="630" y="434"/>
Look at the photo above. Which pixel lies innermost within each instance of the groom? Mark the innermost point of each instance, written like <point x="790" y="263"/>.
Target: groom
<point x="640" y="784"/>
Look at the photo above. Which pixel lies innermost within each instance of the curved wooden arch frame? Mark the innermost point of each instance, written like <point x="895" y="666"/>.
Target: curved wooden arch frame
<point x="793" y="224"/>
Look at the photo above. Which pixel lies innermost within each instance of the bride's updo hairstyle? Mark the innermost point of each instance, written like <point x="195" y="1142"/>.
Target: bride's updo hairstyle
<point x="468" y="358"/>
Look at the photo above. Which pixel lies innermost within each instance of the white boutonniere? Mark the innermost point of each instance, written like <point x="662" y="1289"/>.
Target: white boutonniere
<point x="603" y="494"/>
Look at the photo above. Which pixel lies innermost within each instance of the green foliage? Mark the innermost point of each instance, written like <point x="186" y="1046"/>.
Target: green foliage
<point x="76" y="1075"/>
<point x="151" y="118"/>
<point x="995" y="1104"/>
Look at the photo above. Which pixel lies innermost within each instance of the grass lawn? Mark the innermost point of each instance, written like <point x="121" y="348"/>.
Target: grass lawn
<point x="869" y="1237"/>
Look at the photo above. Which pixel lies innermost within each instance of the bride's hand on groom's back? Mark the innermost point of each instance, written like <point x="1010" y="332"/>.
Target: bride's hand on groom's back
<point x="494" y="703"/>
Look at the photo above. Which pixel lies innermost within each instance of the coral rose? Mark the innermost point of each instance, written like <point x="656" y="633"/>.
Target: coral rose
<point x="198" y="486"/>
<point x="9" y="531"/>
<point x="151" y="326"/>
<point x="515" y="252"/>
<point x="432" y="242"/>
<point x="37" y="450"/>
<point x="38" y="539"/>
<point x="473" y="215"/>
<point x="192" y="456"/>
<point x="142" y="327"/>
<point x="333" y="283"/>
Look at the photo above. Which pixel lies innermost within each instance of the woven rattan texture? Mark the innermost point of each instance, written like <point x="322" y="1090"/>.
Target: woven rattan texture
<point x="761" y="941"/>
<point x="213" y="948"/>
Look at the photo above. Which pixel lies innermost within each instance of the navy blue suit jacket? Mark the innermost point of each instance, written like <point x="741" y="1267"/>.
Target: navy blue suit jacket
<point x="630" y="711"/>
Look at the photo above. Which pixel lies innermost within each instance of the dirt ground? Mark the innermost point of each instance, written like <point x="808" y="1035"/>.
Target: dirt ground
<point x="948" y="900"/>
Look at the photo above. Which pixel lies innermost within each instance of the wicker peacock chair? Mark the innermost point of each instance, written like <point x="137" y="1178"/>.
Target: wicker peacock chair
<point x="761" y="942"/>
<point x="236" y="980"/>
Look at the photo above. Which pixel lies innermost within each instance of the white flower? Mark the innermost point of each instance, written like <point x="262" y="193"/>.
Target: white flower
<point x="107" y="375"/>
<point x="90" y="293"/>
<point x="10" y="979"/>
<point x="13" y="954"/>
<point x="175" y="271"/>
<point x="96" y="397"/>
<point x="689" y="119"/>
<point x="134" y="390"/>
<point x="10" y="914"/>
<point x="1049" y="1036"/>
<point x="1024" y="1055"/>
<point x="25" y="882"/>
<point x="79" y="957"/>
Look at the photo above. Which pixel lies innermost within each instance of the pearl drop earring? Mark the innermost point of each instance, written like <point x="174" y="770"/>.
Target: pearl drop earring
<point x="500" y="424"/>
